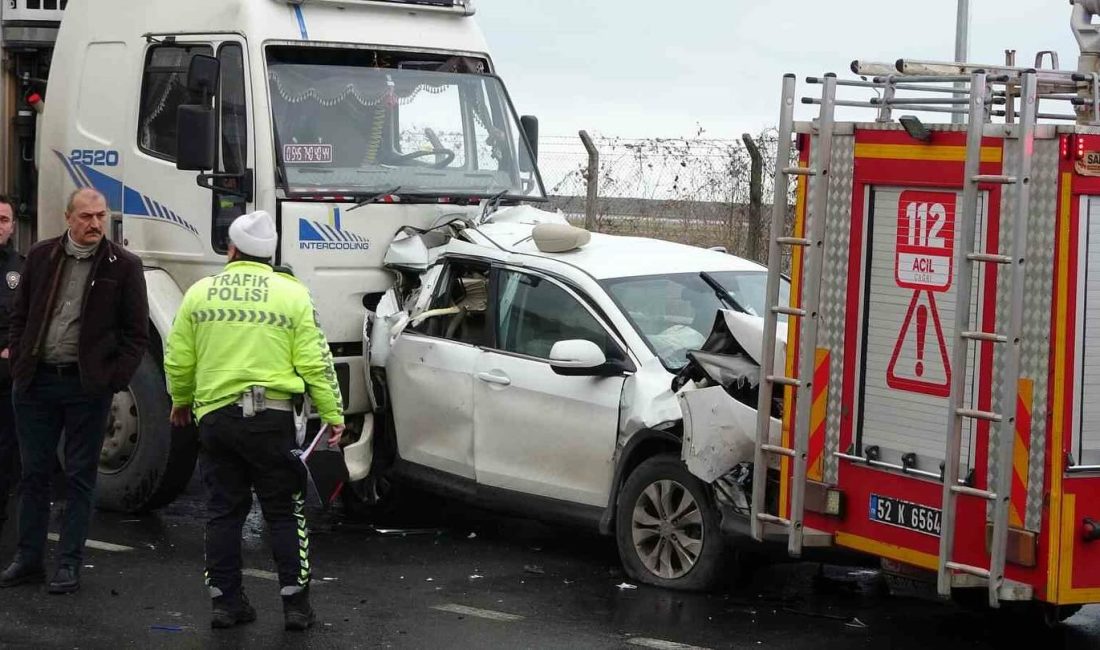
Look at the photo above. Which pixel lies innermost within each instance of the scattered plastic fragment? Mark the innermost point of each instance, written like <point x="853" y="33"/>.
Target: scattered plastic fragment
<point x="166" y="628"/>
<point x="627" y="585"/>
<point x="407" y="531"/>
<point x="535" y="569"/>
<point x="476" y="577"/>
<point x="855" y="622"/>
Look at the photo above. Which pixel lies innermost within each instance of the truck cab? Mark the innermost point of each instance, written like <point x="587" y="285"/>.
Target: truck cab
<point x="347" y="120"/>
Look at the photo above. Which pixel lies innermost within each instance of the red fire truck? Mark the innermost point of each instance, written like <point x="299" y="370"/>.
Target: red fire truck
<point x="941" y="385"/>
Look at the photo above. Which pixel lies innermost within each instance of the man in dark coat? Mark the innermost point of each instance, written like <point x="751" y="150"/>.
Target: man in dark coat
<point x="79" y="329"/>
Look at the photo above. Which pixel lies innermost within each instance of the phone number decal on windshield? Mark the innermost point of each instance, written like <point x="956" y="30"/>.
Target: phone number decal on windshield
<point x="305" y="154"/>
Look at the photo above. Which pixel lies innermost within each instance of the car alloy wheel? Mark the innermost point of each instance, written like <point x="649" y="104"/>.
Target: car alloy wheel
<point x="667" y="529"/>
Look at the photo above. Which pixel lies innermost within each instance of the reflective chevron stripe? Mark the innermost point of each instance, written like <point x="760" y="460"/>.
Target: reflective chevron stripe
<point x="303" y="539"/>
<point x="269" y="318"/>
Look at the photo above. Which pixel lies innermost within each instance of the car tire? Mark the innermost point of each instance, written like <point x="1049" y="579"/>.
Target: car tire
<point x="682" y="549"/>
<point x="146" y="462"/>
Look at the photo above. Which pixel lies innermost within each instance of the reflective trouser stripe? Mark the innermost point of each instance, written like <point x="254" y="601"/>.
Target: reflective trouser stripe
<point x="303" y="539"/>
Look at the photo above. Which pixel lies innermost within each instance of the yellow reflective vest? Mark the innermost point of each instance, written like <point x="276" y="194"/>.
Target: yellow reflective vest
<point x="249" y="326"/>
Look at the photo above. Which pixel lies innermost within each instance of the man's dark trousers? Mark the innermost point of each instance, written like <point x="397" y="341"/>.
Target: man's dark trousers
<point x="9" y="453"/>
<point x="56" y="401"/>
<point x="239" y="454"/>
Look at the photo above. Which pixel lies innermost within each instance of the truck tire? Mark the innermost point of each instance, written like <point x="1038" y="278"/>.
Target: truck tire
<point x="146" y="463"/>
<point x="679" y="549"/>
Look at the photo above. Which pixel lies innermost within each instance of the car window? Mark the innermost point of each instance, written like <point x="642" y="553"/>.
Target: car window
<point x="459" y="306"/>
<point x="675" y="312"/>
<point x="534" y="313"/>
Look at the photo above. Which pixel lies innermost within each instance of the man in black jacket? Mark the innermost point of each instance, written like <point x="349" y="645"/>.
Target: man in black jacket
<point x="79" y="329"/>
<point x="11" y="267"/>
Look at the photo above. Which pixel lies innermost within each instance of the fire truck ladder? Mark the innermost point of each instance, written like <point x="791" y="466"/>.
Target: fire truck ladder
<point x="813" y="243"/>
<point x="965" y="256"/>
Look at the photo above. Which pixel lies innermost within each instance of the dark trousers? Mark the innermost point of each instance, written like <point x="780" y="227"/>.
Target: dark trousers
<point x="51" y="404"/>
<point x="238" y="455"/>
<point x="9" y="453"/>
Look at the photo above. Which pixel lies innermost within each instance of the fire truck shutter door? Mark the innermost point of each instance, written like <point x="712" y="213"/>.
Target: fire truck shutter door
<point x="909" y="327"/>
<point x="1088" y="450"/>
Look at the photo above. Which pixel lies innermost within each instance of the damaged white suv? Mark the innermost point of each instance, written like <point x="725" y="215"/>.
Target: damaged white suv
<point x="524" y="366"/>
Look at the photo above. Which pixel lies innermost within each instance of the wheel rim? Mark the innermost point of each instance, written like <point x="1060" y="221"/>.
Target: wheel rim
<point x="667" y="528"/>
<point x="123" y="433"/>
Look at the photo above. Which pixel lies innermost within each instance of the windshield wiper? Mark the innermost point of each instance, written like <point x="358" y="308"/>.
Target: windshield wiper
<point x="722" y="293"/>
<point x="492" y="204"/>
<point x="374" y="199"/>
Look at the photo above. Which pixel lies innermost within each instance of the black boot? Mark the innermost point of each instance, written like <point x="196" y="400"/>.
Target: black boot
<point x="297" y="614"/>
<point x="65" y="581"/>
<point x="21" y="572"/>
<point x="229" y="611"/>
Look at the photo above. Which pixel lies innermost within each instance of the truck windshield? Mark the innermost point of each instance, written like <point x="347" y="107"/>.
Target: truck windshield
<point x="344" y="124"/>
<point x="675" y="313"/>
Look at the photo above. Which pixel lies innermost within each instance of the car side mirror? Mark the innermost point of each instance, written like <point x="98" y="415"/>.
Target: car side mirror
<point x="195" y="133"/>
<point x="407" y="251"/>
<point x="530" y="125"/>
<point x="580" y="358"/>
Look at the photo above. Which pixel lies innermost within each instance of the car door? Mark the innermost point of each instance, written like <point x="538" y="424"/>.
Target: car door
<point x="537" y="432"/>
<point x="430" y="372"/>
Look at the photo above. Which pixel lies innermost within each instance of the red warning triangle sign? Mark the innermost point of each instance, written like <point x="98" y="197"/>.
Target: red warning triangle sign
<point x="920" y="362"/>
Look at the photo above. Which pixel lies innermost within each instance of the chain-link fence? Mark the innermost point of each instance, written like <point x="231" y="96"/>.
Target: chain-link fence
<point x="694" y="191"/>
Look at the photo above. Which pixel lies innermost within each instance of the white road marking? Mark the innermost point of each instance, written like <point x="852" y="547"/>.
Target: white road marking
<point x="480" y="613"/>
<point x="274" y="577"/>
<point x="91" y="543"/>
<point x="263" y="575"/>
<point x="662" y="645"/>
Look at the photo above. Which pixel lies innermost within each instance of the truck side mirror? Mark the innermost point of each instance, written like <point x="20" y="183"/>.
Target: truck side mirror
<point x="530" y="125"/>
<point x="195" y="143"/>
<point x="203" y="74"/>
<point x="196" y="125"/>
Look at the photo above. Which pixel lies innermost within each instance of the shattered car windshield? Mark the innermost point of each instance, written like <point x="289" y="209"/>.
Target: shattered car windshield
<point x="675" y="312"/>
<point x="359" y="123"/>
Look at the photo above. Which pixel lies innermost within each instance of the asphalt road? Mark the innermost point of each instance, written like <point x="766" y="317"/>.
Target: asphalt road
<point x="443" y="576"/>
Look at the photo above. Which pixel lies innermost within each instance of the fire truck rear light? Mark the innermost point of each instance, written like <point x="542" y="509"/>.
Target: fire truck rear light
<point x="824" y="500"/>
<point x="1022" y="549"/>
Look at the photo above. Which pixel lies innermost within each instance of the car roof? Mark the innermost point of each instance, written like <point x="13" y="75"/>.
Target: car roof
<point x="612" y="256"/>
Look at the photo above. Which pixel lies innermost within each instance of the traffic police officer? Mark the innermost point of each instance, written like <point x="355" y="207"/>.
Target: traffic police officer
<point x="244" y="344"/>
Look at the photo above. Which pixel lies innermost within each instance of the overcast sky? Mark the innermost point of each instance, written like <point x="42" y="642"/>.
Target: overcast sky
<point x="648" y="68"/>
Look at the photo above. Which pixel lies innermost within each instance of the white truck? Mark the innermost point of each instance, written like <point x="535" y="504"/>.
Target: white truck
<point x="345" y="119"/>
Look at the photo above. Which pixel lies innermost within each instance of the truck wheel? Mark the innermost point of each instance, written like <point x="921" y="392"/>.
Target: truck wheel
<point x="145" y="462"/>
<point x="667" y="528"/>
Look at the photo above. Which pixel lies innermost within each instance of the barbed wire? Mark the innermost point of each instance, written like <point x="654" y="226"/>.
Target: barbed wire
<point x="690" y="190"/>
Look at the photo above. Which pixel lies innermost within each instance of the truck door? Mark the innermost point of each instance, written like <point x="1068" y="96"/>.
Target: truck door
<point x="168" y="216"/>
